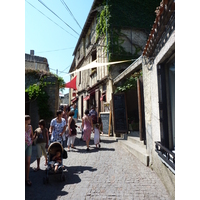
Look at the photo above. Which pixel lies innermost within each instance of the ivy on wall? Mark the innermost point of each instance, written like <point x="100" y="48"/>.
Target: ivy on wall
<point x="118" y="14"/>
<point x="37" y="91"/>
<point x="130" y="83"/>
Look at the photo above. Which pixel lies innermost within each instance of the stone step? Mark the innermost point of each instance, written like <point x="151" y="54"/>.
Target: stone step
<point x="136" y="140"/>
<point x="135" y="149"/>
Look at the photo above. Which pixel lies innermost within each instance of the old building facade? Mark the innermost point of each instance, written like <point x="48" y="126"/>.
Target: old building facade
<point x="102" y="40"/>
<point x="159" y="94"/>
<point x="157" y="121"/>
<point x="36" y="62"/>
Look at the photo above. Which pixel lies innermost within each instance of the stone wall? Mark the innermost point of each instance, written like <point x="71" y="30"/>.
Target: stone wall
<point x="152" y="117"/>
<point x="53" y="92"/>
<point x="36" y="66"/>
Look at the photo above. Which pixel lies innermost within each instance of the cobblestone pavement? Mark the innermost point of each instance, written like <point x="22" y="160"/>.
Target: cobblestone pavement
<point x="110" y="172"/>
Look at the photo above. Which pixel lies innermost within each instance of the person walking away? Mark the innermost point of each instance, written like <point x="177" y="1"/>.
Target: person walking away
<point x="57" y="127"/>
<point x="81" y="129"/>
<point x="93" y="115"/>
<point x="72" y="131"/>
<point x="74" y="108"/>
<point x="97" y="136"/>
<point x="42" y="141"/>
<point x="28" y="148"/>
<point x="87" y="128"/>
<point x="65" y="115"/>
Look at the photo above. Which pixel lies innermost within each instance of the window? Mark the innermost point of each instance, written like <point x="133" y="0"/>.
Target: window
<point x="94" y="57"/>
<point x="79" y="77"/>
<point x="88" y="40"/>
<point x="166" y="90"/>
<point x="78" y="53"/>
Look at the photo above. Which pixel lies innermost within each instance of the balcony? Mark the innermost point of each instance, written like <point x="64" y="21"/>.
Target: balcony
<point x="166" y="156"/>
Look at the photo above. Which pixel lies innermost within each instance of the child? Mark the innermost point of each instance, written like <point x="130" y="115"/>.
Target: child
<point x="96" y="135"/>
<point x="57" y="159"/>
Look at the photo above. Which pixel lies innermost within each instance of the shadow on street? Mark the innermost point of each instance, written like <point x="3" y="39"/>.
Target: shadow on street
<point x="53" y="189"/>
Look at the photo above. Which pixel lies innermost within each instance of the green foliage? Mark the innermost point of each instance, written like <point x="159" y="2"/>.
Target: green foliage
<point x="130" y="83"/>
<point x="118" y="14"/>
<point x="38" y="92"/>
<point x="61" y="82"/>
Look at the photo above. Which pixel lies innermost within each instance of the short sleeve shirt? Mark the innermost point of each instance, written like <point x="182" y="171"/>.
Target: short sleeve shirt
<point x="57" y="129"/>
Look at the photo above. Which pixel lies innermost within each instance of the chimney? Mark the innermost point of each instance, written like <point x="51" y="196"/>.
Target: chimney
<point x="32" y="52"/>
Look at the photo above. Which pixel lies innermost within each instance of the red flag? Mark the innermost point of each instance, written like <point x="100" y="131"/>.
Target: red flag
<point x="71" y="84"/>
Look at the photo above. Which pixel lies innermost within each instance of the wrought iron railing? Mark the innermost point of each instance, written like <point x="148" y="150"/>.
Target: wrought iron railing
<point x="167" y="155"/>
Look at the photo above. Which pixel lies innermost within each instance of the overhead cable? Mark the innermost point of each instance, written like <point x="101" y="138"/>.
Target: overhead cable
<point x="65" y="5"/>
<point x="55" y="50"/>
<point x="58" y="17"/>
<point x="50" y="19"/>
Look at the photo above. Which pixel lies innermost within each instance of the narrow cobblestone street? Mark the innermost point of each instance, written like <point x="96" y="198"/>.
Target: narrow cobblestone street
<point x="110" y="172"/>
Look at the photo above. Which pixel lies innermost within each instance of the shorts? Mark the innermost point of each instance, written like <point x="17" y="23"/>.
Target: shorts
<point x="28" y="150"/>
<point x="71" y="140"/>
<point x="41" y="149"/>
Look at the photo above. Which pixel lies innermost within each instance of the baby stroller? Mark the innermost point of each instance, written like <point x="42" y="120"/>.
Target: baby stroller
<point x="53" y="149"/>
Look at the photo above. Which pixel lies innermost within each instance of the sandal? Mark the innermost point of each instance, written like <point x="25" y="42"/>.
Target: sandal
<point x="28" y="183"/>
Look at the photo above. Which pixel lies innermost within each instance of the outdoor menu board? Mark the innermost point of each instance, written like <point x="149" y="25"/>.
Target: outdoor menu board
<point x="105" y="121"/>
<point x="120" y="114"/>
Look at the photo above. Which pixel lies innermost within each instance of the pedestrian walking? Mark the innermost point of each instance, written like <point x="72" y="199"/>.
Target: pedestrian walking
<point x="28" y="148"/>
<point x="65" y="115"/>
<point x="72" y="131"/>
<point x="57" y="127"/>
<point x="74" y="108"/>
<point x="93" y="115"/>
<point x="97" y="136"/>
<point x="81" y="129"/>
<point x="87" y="128"/>
<point x="42" y="140"/>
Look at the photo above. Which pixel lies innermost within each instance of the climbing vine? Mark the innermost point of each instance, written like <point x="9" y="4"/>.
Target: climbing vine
<point x="37" y="91"/>
<point x="130" y="83"/>
<point x="118" y="14"/>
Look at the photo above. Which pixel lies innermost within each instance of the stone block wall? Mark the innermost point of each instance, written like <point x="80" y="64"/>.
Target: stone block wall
<point x="53" y="92"/>
<point x="152" y="116"/>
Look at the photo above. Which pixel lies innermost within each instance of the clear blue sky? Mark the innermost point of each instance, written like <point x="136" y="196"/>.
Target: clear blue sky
<point x="49" y="40"/>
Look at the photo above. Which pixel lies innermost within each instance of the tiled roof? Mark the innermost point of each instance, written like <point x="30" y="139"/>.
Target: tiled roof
<point x="163" y="14"/>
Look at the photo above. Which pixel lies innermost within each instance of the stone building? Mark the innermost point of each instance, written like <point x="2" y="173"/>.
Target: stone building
<point x="159" y="94"/>
<point x="157" y="121"/>
<point x="111" y="32"/>
<point x="33" y="76"/>
<point x="36" y="62"/>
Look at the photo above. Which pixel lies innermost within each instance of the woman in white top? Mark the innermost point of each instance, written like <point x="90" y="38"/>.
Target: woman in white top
<point x="57" y="127"/>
